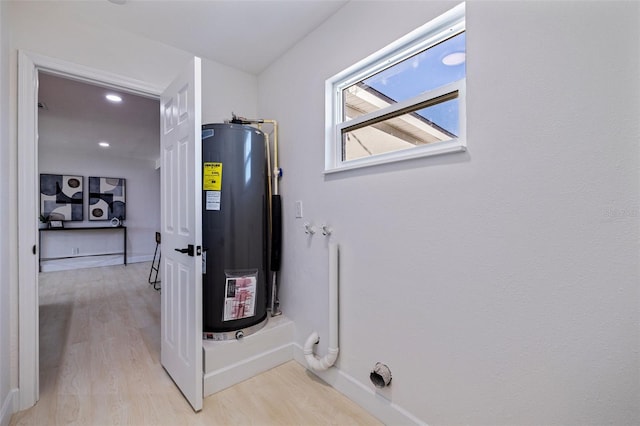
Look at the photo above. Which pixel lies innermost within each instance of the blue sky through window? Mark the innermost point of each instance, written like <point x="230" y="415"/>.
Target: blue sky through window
<point x="423" y="72"/>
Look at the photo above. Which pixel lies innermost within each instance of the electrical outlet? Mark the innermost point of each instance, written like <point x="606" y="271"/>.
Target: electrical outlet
<point x="298" y="209"/>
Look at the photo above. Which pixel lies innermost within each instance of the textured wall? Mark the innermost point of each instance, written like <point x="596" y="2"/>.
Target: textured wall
<point x="500" y="285"/>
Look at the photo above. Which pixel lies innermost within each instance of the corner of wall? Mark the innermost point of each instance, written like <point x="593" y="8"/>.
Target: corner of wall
<point x="9" y="406"/>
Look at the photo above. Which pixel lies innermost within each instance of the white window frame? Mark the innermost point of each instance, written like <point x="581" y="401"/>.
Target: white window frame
<point x="443" y="27"/>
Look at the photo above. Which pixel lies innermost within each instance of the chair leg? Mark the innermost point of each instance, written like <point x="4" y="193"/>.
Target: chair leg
<point x="155" y="281"/>
<point x="155" y="268"/>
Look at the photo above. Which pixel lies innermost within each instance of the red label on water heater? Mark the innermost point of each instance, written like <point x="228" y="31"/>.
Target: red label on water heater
<point x="240" y="297"/>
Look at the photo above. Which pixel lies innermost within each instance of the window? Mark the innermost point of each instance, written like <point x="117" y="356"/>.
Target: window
<point x="405" y="101"/>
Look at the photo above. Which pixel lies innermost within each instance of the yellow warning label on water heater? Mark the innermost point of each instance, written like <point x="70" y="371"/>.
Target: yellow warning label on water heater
<point x="212" y="177"/>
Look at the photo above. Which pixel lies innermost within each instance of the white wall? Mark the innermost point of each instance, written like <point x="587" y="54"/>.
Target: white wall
<point x="37" y="27"/>
<point x="499" y="285"/>
<point x="143" y="209"/>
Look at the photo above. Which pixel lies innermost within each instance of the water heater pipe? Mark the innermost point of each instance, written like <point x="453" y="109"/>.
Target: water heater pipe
<point x="276" y="223"/>
<point x="316" y="363"/>
<point x="277" y="172"/>
<point x="275" y="207"/>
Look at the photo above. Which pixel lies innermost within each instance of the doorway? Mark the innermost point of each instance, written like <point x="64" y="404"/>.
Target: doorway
<point x="88" y="144"/>
<point x="30" y="65"/>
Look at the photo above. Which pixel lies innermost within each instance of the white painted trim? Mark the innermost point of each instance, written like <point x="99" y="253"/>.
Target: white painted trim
<point x="9" y="406"/>
<point x="426" y="35"/>
<point x="29" y="64"/>
<point x="233" y="361"/>
<point x="438" y="148"/>
<point x="444" y="26"/>
<point x="28" y="371"/>
<point x="140" y="259"/>
<point x="244" y="369"/>
<point x="93" y="76"/>
<point x="90" y="262"/>
<point x="378" y="406"/>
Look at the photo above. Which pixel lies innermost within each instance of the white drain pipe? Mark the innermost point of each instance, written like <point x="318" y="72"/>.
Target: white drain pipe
<point x="316" y="363"/>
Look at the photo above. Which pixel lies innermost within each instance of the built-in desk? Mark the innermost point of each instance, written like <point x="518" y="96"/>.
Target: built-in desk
<point x="44" y="231"/>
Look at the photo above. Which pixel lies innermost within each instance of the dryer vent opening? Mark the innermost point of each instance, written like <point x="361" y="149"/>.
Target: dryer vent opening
<point x="380" y="375"/>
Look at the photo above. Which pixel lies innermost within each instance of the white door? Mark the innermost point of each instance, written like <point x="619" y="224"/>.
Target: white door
<point x="181" y="224"/>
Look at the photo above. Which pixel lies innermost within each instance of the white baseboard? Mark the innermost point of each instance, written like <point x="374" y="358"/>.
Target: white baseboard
<point x="223" y="378"/>
<point x="378" y="406"/>
<point x="140" y="259"/>
<point x="80" y="263"/>
<point x="229" y="362"/>
<point x="9" y="406"/>
<point x="89" y="262"/>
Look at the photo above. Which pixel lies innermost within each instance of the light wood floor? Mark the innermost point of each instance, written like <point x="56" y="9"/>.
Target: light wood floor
<point x="99" y="365"/>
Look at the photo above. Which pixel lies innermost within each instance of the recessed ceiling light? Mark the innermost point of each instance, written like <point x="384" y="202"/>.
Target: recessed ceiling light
<point x="455" y="58"/>
<point x="113" y="98"/>
<point x="104" y="144"/>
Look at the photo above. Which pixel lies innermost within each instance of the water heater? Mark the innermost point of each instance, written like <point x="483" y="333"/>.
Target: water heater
<point x="234" y="230"/>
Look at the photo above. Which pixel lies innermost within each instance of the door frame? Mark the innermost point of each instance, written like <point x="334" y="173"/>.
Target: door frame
<point x="29" y="64"/>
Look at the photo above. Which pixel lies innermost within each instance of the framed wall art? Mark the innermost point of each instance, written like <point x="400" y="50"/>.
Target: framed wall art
<point x="107" y="198"/>
<point x="61" y="197"/>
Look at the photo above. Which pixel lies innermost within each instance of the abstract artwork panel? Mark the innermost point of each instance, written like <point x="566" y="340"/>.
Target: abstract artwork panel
<point x="106" y="198"/>
<point x="61" y="197"/>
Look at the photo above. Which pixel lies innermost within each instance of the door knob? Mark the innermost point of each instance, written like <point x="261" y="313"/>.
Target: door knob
<point x="188" y="250"/>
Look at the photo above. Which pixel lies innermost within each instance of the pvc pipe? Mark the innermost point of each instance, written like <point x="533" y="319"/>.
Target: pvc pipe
<point x="316" y="363"/>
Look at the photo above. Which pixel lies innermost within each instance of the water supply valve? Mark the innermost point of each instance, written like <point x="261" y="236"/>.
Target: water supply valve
<point x="309" y="229"/>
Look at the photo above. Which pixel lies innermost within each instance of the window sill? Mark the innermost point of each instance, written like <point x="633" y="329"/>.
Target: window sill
<point x="433" y="150"/>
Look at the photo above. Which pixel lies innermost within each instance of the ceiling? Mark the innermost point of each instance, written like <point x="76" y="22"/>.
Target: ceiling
<point x="76" y="116"/>
<point x="244" y="34"/>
